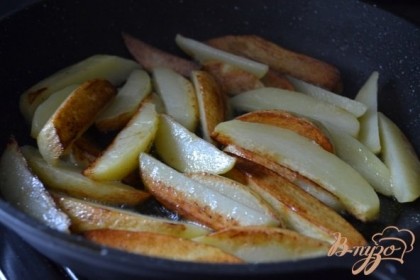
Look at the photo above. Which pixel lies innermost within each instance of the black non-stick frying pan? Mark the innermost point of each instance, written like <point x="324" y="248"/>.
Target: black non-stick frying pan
<point x="355" y="37"/>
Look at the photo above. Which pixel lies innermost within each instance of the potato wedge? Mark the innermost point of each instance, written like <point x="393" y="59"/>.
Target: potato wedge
<point x="120" y="158"/>
<point x="195" y="201"/>
<point x="122" y="108"/>
<point x="301" y="126"/>
<point x="83" y="152"/>
<point x="282" y="60"/>
<point x="47" y="108"/>
<point x="293" y="151"/>
<point x="160" y="245"/>
<point x="401" y="159"/>
<point x="232" y="79"/>
<point x="277" y="80"/>
<point x="203" y="53"/>
<point x="236" y="191"/>
<point x="212" y="103"/>
<point x="305" y="184"/>
<point x="178" y="96"/>
<point x="69" y="180"/>
<point x="150" y="57"/>
<point x="369" y="127"/>
<point x="112" y="68"/>
<point x="264" y="244"/>
<point x="350" y="105"/>
<point x="73" y="118"/>
<point x="298" y="103"/>
<point x="89" y="216"/>
<point x="22" y="189"/>
<point x="300" y="210"/>
<point x="186" y="152"/>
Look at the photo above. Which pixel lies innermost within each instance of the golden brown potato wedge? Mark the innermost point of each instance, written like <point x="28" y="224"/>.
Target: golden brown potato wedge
<point x="301" y="211"/>
<point x="280" y="59"/>
<point x="160" y="245"/>
<point x="300" y="125"/>
<point x="84" y="151"/>
<point x="278" y="80"/>
<point x="86" y="216"/>
<point x="264" y="244"/>
<point x="232" y="79"/>
<point x="150" y="57"/>
<point x="73" y="118"/>
<point x="69" y="180"/>
<point x="195" y="201"/>
<point x="212" y="102"/>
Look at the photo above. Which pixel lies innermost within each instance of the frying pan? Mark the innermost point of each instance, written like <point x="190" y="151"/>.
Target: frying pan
<point x="355" y="37"/>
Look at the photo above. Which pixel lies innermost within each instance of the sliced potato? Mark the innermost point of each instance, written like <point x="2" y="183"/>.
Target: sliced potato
<point x="363" y="160"/>
<point x="301" y="155"/>
<point x="178" y="96"/>
<point x="280" y="59"/>
<point x="277" y="80"/>
<point x="186" y="152"/>
<point x="69" y="180"/>
<point x="121" y="157"/>
<point x="21" y="188"/>
<point x="369" y="127"/>
<point x="232" y="79"/>
<point x="235" y="191"/>
<point x="160" y="245"/>
<point x="47" y="108"/>
<point x="264" y="244"/>
<point x="305" y="184"/>
<point x="73" y="118"/>
<point x="83" y="152"/>
<point x="196" y="201"/>
<point x="204" y="53"/>
<point x="212" y="103"/>
<point x="122" y="108"/>
<point x="89" y="216"/>
<point x="150" y="57"/>
<point x="298" y="103"/>
<point x="300" y="210"/>
<point x="352" y="106"/>
<point x="401" y="159"/>
<point x="301" y="126"/>
<point x="112" y="68"/>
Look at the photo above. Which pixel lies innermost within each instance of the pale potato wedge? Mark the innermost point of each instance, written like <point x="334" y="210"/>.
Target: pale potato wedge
<point x="203" y="53"/>
<point x="120" y="158"/>
<point x="277" y="80"/>
<point x="305" y="184"/>
<point x="122" y="108"/>
<point x="280" y="59"/>
<point x="25" y="191"/>
<point x="73" y="117"/>
<point x="363" y="160"/>
<point x="369" y="127"/>
<point x="195" y="201"/>
<point x="232" y="79"/>
<point x="264" y="244"/>
<point x="401" y="159"/>
<point x="69" y="180"/>
<point x="108" y="67"/>
<point x="178" y="96"/>
<point x="350" y="105"/>
<point x="298" y="103"/>
<point x="47" y="108"/>
<point x="160" y="245"/>
<point x="300" y="210"/>
<point x="311" y="161"/>
<point x="284" y="119"/>
<point x="150" y="57"/>
<point x="236" y="191"/>
<point x="186" y="152"/>
<point x="86" y="216"/>
<point x="212" y="103"/>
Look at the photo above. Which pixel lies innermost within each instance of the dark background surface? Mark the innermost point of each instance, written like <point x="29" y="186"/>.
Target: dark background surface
<point x="15" y="255"/>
